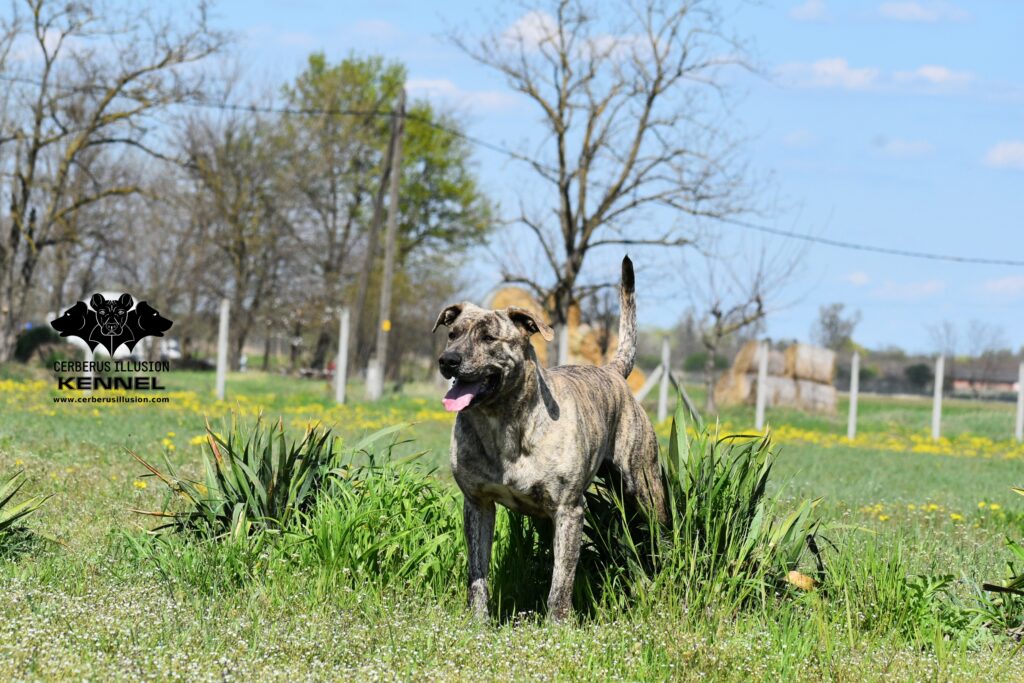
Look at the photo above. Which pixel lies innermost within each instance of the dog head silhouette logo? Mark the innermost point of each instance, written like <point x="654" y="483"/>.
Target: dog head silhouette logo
<point x="111" y="322"/>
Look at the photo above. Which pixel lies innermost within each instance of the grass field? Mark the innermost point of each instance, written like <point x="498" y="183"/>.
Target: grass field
<point x="80" y="601"/>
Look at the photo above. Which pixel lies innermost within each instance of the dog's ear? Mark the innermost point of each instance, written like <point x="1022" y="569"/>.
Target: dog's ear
<point x="529" y="322"/>
<point x="447" y="316"/>
<point x="126" y="300"/>
<point x="97" y="300"/>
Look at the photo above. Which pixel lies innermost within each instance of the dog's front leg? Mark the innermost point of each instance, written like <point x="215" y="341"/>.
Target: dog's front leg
<point x="568" y="536"/>
<point x="478" y="520"/>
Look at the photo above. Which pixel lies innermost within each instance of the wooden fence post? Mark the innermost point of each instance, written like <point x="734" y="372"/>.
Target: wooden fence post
<point x="1020" y="403"/>
<point x="341" y="367"/>
<point x="222" y="348"/>
<point x="665" y="379"/>
<point x="940" y="373"/>
<point x="851" y="425"/>
<point x="762" y="390"/>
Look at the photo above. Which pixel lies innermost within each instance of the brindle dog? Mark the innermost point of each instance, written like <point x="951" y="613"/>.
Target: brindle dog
<point x="532" y="439"/>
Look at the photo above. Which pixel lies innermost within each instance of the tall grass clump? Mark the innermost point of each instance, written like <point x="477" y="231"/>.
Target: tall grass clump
<point x="728" y="540"/>
<point x="12" y="513"/>
<point x="388" y="524"/>
<point x="255" y="479"/>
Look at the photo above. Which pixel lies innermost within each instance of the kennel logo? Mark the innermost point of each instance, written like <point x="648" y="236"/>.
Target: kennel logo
<point x="111" y="323"/>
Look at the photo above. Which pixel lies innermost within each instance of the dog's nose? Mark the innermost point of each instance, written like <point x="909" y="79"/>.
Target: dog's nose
<point x="450" y="362"/>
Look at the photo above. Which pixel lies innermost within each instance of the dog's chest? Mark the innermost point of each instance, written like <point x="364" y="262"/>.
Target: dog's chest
<point x="514" y="476"/>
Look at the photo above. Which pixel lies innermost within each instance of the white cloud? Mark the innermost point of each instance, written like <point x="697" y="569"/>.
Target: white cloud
<point x="858" y="278"/>
<point x="1006" y="154"/>
<point x="898" y="148"/>
<point x="444" y="89"/>
<point x="801" y="137"/>
<point x="811" y="10"/>
<point x="1012" y="285"/>
<point x="923" y="12"/>
<point x="834" y="72"/>
<point x="908" y="291"/>
<point x="531" y="30"/>
<point x="934" y="74"/>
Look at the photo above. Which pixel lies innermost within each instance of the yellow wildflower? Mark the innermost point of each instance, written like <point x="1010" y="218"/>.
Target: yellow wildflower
<point x="955" y="517"/>
<point x="139" y="484"/>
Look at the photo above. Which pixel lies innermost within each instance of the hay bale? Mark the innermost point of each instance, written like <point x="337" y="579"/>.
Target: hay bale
<point x="779" y="391"/>
<point x="733" y="389"/>
<point x="815" y="396"/>
<point x="515" y="296"/>
<point x="746" y="359"/>
<point x="807" y="362"/>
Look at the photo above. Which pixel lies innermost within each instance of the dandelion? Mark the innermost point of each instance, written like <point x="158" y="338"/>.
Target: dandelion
<point x="139" y="484"/>
<point x="19" y="462"/>
<point x="956" y="517"/>
<point x="171" y="434"/>
<point x="994" y="506"/>
<point x="981" y="505"/>
<point x="882" y="518"/>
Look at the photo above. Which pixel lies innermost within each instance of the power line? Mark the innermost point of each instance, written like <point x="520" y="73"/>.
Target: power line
<point x="480" y="142"/>
<point x="872" y="248"/>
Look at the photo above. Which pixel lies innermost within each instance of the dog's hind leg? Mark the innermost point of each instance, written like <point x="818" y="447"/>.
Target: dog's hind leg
<point x="636" y="459"/>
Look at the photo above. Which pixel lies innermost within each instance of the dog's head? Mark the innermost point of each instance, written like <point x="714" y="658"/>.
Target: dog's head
<point x="150" y="321"/>
<point x="72" y="320"/>
<point x="486" y="351"/>
<point x="111" y="314"/>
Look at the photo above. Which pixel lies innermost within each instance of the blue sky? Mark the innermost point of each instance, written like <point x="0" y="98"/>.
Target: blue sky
<point x="895" y="123"/>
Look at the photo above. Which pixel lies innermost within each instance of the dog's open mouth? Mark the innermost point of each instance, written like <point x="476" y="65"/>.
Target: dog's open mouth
<point x="464" y="392"/>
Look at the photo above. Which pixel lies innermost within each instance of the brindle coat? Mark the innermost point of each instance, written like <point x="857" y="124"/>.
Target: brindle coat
<point x="535" y="439"/>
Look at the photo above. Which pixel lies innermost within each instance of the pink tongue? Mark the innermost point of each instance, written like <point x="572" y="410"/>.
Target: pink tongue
<point x="460" y="396"/>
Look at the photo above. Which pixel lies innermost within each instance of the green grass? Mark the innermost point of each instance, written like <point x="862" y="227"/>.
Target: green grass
<point x="85" y="602"/>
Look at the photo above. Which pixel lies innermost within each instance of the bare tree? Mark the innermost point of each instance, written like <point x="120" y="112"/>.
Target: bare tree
<point x="984" y="341"/>
<point x="733" y="292"/>
<point x="242" y="215"/>
<point x="72" y="102"/>
<point x="630" y="128"/>
<point x="833" y="329"/>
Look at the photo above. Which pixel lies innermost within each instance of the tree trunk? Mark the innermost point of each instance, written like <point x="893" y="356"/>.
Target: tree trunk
<point x="323" y="343"/>
<point x="709" y="381"/>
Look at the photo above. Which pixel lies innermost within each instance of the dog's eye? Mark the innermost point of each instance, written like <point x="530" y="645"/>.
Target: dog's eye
<point x="453" y="334"/>
<point x="488" y="338"/>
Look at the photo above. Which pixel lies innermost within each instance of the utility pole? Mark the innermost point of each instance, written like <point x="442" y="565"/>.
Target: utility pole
<point x="375" y="375"/>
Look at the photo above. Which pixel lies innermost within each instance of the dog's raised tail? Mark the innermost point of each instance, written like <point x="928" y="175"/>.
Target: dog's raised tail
<point x="622" y="362"/>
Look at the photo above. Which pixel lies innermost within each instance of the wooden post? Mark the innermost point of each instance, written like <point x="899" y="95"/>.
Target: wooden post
<point x="940" y="372"/>
<point x="222" y="348"/>
<point x="341" y="367"/>
<point x="1020" y="403"/>
<point x="762" y="389"/>
<point x="375" y="390"/>
<point x="851" y="424"/>
<point x="666" y="377"/>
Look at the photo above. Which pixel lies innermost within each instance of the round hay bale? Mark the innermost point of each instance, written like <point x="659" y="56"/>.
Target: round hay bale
<point x="816" y="397"/>
<point x="807" y="362"/>
<point x="515" y="296"/>
<point x="733" y="389"/>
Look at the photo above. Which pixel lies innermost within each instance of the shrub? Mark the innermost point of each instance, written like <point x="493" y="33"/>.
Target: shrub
<point x="32" y="339"/>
